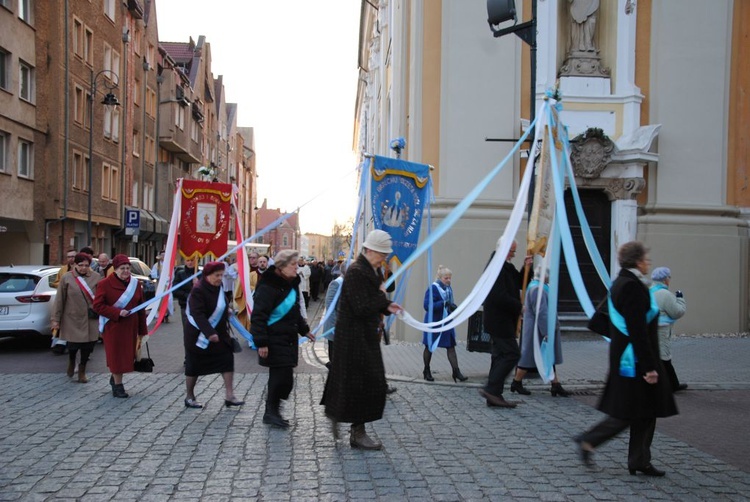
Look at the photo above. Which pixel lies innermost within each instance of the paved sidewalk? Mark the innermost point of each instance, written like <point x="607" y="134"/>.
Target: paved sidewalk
<point x="61" y="440"/>
<point x="703" y="363"/>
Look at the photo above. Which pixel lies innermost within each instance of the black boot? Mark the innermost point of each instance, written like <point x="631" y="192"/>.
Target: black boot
<point x="427" y="374"/>
<point x="119" y="391"/>
<point x="272" y="417"/>
<point x="557" y="390"/>
<point x="517" y="386"/>
<point x="457" y="375"/>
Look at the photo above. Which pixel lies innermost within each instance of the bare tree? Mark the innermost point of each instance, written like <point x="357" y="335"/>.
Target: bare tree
<point x="341" y="237"/>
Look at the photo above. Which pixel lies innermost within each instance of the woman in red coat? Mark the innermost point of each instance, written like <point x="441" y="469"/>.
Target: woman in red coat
<point x="115" y="297"/>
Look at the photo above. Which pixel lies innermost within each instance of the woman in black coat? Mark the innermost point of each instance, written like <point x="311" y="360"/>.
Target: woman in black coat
<point x="275" y="323"/>
<point x="208" y="344"/>
<point x="637" y="389"/>
<point x="356" y="386"/>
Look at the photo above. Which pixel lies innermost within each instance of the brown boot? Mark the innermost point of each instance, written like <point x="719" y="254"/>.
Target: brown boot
<point x="82" y="373"/>
<point x="71" y="367"/>
<point x="359" y="439"/>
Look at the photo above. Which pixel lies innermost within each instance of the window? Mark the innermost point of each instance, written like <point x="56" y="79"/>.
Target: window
<point x="79" y="105"/>
<point x="80" y="172"/>
<point x="134" y="195"/>
<point x="150" y="57"/>
<point x="107" y="122"/>
<point x="88" y="47"/>
<point x="107" y="60"/>
<point x="137" y="93"/>
<point x="150" y="102"/>
<point x="136" y="143"/>
<point x="25" y="159"/>
<point x="26" y="81"/>
<point x="137" y="42"/>
<point x="4" y="68"/>
<point x="115" y="62"/>
<point x="107" y="187"/>
<point x="109" y="8"/>
<point x="179" y="117"/>
<point x="4" y="138"/>
<point x="150" y="152"/>
<point x="114" y="176"/>
<point x="148" y="197"/>
<point x="25" y="9"/>
<point x="194" y="131"/>
<point x="77" y="37"/>
<point x="116" y="125"/>
<point x="285" y="240"/>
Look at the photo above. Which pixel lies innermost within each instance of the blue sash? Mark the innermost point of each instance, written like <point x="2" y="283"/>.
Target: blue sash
<point x="664" y="319"/>
<point x="628" y="360"/>
<point x="124" y="299"/>
<point x="283" y="308"/>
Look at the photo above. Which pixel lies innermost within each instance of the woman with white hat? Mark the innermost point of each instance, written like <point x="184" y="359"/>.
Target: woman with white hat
<point x="356" y="387"/>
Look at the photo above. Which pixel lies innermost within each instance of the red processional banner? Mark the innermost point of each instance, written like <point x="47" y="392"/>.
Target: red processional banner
<point x="204" y="218"/>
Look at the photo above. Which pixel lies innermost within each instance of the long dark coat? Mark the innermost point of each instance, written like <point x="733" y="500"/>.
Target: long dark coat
<point x="120" y="333"/>
<point x="502" y="306"/>
<point x="628" y="398"/>
<point x="202" y="302"/>
<point x="355" y="391"/>
<point x="281" y="338"/>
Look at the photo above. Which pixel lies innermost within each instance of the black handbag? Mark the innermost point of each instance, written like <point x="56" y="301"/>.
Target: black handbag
<point x="599" y="322"/>
<point x="144" y="364"/>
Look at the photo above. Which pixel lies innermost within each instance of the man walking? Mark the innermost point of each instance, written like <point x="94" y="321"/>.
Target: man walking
<point x="501" y="310"/>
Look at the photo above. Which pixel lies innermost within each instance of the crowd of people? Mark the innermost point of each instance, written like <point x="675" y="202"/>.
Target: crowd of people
<point x="98" y="301"/>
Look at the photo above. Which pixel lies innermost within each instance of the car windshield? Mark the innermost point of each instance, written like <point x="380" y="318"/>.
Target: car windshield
<point x="13" y="283"/>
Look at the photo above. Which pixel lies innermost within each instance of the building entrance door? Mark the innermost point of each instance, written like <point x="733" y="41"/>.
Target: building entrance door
<point x="598" y="211"/>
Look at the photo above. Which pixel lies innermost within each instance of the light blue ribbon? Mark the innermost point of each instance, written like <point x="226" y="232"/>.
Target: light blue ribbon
<point x="237" y="325"/>
<point x="283" y="308"/>
<point x="628" y="359"/>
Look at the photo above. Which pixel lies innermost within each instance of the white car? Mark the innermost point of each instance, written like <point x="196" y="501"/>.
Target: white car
<point x="26" y="299"/>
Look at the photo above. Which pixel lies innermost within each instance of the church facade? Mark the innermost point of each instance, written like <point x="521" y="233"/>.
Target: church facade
<point x="652" y="95"/>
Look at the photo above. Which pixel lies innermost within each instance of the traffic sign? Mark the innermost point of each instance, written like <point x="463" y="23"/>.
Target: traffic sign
<point x="132" y="218"/>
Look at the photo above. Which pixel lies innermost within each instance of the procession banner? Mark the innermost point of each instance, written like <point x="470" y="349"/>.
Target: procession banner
<point x="398" y="194"/>
<point x="204" y="222"/>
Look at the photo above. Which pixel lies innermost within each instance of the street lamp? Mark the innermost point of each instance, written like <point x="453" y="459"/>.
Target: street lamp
<point x="110" y="101"/>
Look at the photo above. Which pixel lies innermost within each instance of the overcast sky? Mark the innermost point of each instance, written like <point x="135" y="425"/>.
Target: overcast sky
<point x="291" y="65"/>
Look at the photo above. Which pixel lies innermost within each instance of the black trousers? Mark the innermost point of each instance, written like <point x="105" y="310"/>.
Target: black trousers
<point x="505" y="356"/>
<point x="674" y="382"/>
<point x="280" y="384"/>
<point x="641" y="436"/>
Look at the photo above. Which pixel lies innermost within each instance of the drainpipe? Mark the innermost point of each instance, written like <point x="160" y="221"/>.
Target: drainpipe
<point x="125" y="135"/>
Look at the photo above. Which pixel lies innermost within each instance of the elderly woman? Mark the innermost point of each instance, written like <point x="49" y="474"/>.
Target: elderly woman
<point x="208" y="344"/>
<point x="637" y="390"/>
<point x="115" y="297"/>
<point x="531" y="317"/>
<point x="438" y="302"/>
<point x="276" y="322"/>
<point x="356" y="386"/>
<point x="672" y="306"/>
<point x="72" y="314"/>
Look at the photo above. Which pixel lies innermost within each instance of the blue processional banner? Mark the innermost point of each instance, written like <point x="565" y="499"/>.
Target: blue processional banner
<point x="399" y="193"/>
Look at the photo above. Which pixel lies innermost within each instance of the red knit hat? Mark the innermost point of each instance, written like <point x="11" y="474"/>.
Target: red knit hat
<point x="119" y="260"/>
<point x="212" y="266"/>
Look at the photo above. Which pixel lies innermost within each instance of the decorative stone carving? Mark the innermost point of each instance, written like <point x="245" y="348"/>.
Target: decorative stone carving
<point x="591" y="152"/>
<point x="615" y="188"/>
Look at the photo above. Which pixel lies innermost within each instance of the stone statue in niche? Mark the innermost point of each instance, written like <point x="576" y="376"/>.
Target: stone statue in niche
<point x="583" y="25"/>
<point x="583" y="57"/>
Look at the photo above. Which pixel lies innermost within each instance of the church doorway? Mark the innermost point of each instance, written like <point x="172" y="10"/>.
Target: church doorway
<point x="598" y="210"/>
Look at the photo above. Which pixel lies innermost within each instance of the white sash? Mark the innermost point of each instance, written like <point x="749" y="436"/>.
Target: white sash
<point x="215" y="317"/>
<point x="85" y="288"/>
<point x="124" y="299"/>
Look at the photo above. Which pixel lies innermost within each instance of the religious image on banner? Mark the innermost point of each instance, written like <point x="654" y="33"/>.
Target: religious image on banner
<point x="399" y="193"/>
<point x="204" y="222"/>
